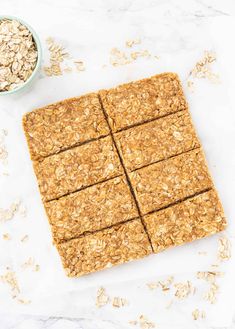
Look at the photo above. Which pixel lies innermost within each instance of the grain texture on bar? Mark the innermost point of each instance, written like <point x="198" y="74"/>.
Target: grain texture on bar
<point x="103" y="249"/>
<point x="163" y="183"/>
<point x="91" y="209"/>
<point x="77" y="168"/>
<point x="189" y="220"/>
<point x="64" y="124"/>
<point x="157" y="140"/>
<point x="122" y="174"/>
<point x="143" y="100"/>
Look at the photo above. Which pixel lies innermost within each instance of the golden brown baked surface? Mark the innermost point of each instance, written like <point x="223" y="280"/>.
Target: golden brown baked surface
<point x="105" y="248"/>
<point x="64" y="124"/>
<point x="91" y="209"/>
<point x="157" y="140"/>
<point x="166" y="182"/>
<point x="189" y="220"/>
<point x="122" y="174"/>
<point x="77" y="168"/>
<point x="143" y="100"/>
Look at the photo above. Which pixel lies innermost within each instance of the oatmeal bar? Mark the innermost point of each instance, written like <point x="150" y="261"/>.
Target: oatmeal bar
<point x="79" y="167"/>
<point x="157" y="140"/>
<point x="91" y="209"/>
<point x="61" y="125"/>
<point x="105" y="248"/>
<point x="143" y="100"/>
<point x="189" y="220"/>
<point x="166" y="182"/>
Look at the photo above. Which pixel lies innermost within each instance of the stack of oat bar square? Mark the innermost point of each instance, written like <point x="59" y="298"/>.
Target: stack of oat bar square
<point x="122" y="174"/>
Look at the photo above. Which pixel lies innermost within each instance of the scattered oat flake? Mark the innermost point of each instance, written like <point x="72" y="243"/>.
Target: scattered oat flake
<point x="10" y="279"/>
<point x="119" y="302"/>
<point x="197" y="314"/>
<point x="133" y="322"/>
<point x="118" y="57"/>
<point x="68" y="70"/>
<point x="102" y="298"/>
<point x="224" y="249"/>
<point x="210" y="277"/>
<point x="79" y="66"/>
<point x="3" y="150"/>
<point x="190" y="85"/>
<point x="131" y="43"/>
<point x="57" y="56"/>
<point x="165" y="285"/>
<point x="202" y="69"/>
<point x="138" y="54"/>
<point x="6" y="236"/>
<point x="183" y="289"/>
<point x="30" y="264"/>
<point x="9" y="213"/>
<point x="152" y="285"/>
<point x="211" y="295"/>
<point x="144" y="323"/>
<point x="23" y="301"/>
<point x="24" y="238"/>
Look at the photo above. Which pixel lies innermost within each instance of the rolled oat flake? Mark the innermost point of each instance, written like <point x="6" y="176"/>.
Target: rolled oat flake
<point x="18" y="54"/>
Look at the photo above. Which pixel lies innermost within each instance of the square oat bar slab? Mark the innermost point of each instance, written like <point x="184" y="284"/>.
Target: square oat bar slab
<point x="64" y="124"/>
<point x="91" y="209"/>
<point x="157" y="140"/>
<point x="143" y="100"/>
<point x="103" y="249"/>
<point x="166" y="182"/>
<point x="189" y="220"/>
<point x="79" y="167"/>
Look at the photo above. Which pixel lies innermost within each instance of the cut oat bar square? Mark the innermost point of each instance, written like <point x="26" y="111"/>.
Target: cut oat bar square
<point x="91" y="209"/>
<point x="143" y="100"/>
<point x="64" y="124"/>
<point x="103" y="249"/>
<point x="157" y="140"/>
<point x="163" y="183"/>
<point x="189" y="220"/>
<point x="77" y="168"/>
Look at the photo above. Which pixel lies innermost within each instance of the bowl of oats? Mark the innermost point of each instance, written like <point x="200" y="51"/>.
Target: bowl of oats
<point x="20" y="55"/>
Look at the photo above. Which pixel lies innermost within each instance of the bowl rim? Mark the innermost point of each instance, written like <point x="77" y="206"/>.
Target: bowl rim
<point x="39" y="50"/>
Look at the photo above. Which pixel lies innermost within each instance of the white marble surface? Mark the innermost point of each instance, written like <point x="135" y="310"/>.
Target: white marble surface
<point x="89" y="29"/>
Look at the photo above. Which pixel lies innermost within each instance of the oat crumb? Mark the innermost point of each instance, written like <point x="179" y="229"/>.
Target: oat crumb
<point x="57" y="56"/>
<point x="144" y="323"/>
<point x="30" y="263"/>
<point x="24" y="238"/>
<point x="203" y="70"/>
<point x="165" y="285"/>
<point x="102" y="298"/>
<point x="80" y="66"/>
<point x="3" y="149"/>
<point x="24" y="301"/>
<point x="183" y="289"/>
<point x="197" y="314"/>
<point x="9" y="213"/>
<point x="10" y="279"/>
<point x="133" y="322"/>
<point x="119" y="302"/>
<point x="152" y="285"/>
<point x="224" y="249"/>
<point x="6" y="236"/>
<point x="131" y="43"/>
